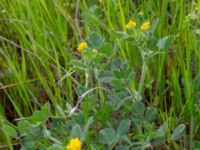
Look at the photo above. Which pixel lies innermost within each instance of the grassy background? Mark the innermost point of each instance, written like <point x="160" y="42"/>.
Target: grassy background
<point x="38" y="39"/>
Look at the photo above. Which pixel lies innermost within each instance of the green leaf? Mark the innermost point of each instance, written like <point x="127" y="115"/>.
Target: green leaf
<point x="60" y="110"/>
<point x="46" y="110"/>
<point x="37" y="118"/>
<point x="96" y="147"/>
<point x="105" y="76"/>
<point x="107" y="49"/>
<point x="130" y="76"/>
<point x="163" y="129"/>
<point x="138" y="108"/>
<point x="56" y="147"/>
<point x="87" y="54"/>
<point x="107" y="136"/>
<point x="35" y="132"/>
<point x="150" y="114"/>
<point x="123" y="127"/>
<point x="118" y="74"/>
<point x="152" y="43"/>
<point x="89" y="123"/>
<point x="76" y="131"/>
<point x="178" y="132"/>
<point x="22" y="126"/>
<point x="125" y="138"/>
<point x="137" y="119"/>
<point x="95" y="40"/>
<point x="9" y="130"/>
<point x="154" y="24"/>
<point x="119" y="98"/>
<point x="153" y="135"/>
<point x="118" y="34"/>
<point x="87" y="127"/>
<point x="121" y="147"/>
<point x="119" y="84"/>
<point x="28" y="143"/>
<point x="78" y="64"/>
<point x="165" y="42"/>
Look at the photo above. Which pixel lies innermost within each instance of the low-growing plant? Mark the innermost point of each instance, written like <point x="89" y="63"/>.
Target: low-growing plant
<point x="109" y="111"/>
<point x="101" y="74"/>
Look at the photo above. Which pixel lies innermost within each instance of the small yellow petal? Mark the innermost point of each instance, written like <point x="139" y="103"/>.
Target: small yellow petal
<point x="74" y="144"/>
<point x="145" y="26"/>
<point x="131" y="24"/>
<point x="82" y="46"/>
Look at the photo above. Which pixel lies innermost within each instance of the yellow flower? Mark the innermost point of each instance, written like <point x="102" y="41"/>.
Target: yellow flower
<point x="94" y="51"/>
<point x="74" y="144"/>
<point x="82" y="46"/>
<point x="131" y="24"/>
<point x="145" y="26"/>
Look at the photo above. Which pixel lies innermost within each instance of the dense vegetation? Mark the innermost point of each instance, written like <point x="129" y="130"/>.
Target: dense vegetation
<point x="99" y="74"/>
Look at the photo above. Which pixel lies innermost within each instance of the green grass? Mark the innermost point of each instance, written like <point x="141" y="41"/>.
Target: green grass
<point x="38" y="40"/>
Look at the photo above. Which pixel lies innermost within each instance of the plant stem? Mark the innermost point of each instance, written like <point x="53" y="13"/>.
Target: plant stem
<point x="144" y="69"/>
<point x="191" y="130"/>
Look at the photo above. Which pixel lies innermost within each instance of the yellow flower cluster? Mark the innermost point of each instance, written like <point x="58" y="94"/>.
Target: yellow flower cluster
<point x="145" y="26"/>
<point x="74" y="144"/>
<point x="81" y="47"/>
<point x="131" y="24"/>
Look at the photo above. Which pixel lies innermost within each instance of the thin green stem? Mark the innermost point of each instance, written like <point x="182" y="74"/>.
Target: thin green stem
<point x="142" y="79"/>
